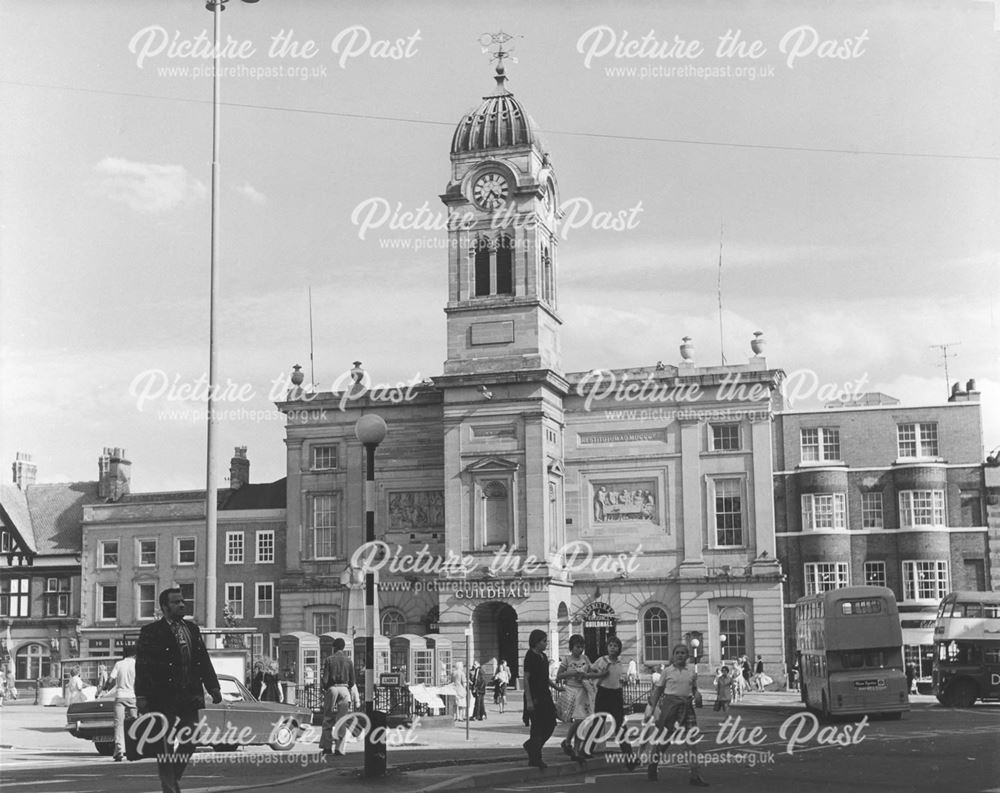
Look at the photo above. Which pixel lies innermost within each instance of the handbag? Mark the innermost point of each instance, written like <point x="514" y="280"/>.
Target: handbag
<point x="697" y="699"/>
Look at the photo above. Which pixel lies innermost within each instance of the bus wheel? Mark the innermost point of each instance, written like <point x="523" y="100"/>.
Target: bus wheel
<point x="896" y="715"/>
<point x="962" y="694"/>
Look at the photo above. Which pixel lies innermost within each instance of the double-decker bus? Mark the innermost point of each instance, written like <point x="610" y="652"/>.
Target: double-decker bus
<point x="849" y="643"/>
<point x="967" y="648"/>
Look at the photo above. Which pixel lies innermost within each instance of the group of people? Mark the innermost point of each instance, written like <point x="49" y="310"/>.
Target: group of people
<point x="733" y="681"/>
<point x="475" y="684"/>
<point x="586" y="688"/>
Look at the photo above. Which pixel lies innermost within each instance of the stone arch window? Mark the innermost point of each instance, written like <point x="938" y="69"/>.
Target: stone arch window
<point x="505" y="266"/>
<point x="481" y="258"/>
<point x="496" y="509"/>
<point x="32" y="662"/>
<point x="655" y="638"/>
<point x="548" y="283"/>
<point x="393" y="622"/>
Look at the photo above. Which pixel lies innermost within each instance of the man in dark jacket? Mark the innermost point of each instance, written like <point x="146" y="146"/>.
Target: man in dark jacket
<point x="172" y="665"/>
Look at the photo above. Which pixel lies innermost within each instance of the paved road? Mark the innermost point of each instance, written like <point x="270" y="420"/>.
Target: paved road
<point x="931" y="749"/>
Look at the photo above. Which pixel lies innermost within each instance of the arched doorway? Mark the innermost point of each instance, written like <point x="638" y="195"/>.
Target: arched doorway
<point x="494" y="627"/>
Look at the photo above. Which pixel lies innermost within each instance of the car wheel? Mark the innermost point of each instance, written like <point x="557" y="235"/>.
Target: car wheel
<point x="894" y="716"/>
<point x="962" y="694"/>
<point x="104" y="748"/>
<point x="285" y="736"/>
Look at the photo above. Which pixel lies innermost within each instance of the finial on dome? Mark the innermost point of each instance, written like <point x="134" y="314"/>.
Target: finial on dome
<point x="498" y="39"/>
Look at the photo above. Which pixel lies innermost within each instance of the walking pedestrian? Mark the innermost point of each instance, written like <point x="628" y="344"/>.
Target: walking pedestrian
<point x="74" y="687"/>
<point x="172" y="672"/>
<point x="340" y="694"/>
<point x="610" y="699"/>
<point x="500" y="682"/>
<point x="723" y="690"/>
<point x="539" y="708"/>
<point x="675" y="695"/>
<point x="574" y="703"/>
<point x="122" y="679"/>
<point x="911" y="678"/>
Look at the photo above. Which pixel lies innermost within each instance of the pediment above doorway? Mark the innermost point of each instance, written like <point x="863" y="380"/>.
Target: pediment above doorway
<point x="487" y="464"/>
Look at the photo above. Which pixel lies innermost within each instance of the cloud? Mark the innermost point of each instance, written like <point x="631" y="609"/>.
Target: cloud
<point x="148" y="188"/>
<point x="252" y="194"/>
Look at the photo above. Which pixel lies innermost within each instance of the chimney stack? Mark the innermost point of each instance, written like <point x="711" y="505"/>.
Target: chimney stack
<point x="239" y="469"/>
<point x="114" y="473"/>
<point x="25" y="471"/>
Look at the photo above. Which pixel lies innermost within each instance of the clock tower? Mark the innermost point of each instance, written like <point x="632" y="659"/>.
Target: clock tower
<point x="502" y="202"/>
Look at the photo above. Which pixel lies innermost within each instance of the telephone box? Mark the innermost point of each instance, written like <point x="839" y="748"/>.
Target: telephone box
<point x="361" y="659"/>
<point x="441" y="658"/>
<point x="326" y="645"/>
<point x="298" y="657"/>
<point x="409" y="655"/>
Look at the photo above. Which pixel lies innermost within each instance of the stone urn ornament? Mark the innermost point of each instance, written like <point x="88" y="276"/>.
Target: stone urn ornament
<point x="687" y="349"/>
<point x="757" y="342"/>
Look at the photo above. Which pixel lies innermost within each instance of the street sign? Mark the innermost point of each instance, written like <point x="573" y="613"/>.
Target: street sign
<point x="389" y="679"/>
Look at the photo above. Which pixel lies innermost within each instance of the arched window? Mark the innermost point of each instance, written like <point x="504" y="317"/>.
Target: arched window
<point x="497" y="513"/>
<point x="482" y="268"/>
<point x="505" y="266"/>
<point x="32" y="662"/>
<point x="655" y="644"/>
<point x="393" y="622"/>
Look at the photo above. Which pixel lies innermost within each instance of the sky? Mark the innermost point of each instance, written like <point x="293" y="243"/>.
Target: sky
<point x="846" y="155"/>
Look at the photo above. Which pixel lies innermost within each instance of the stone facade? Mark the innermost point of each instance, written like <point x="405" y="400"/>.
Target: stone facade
<point x="634" y="502"/>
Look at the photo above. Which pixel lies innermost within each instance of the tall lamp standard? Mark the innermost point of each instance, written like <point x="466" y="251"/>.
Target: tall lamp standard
<point x="371" y="430"/>
<point x="211" y="486"/>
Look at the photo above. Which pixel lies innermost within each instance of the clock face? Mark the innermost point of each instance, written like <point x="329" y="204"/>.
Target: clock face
<point x="547" y="198"/>
<point x="490" y="191"/>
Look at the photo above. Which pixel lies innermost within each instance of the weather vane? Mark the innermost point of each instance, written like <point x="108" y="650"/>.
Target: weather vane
<point x="498" y="39"/>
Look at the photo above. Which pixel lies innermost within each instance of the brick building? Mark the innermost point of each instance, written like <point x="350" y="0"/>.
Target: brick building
<point x="877" y="493"/>
<point x="138" y="544"/>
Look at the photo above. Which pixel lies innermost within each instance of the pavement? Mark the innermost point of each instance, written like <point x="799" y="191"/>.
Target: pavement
<point x="428" y="759"/>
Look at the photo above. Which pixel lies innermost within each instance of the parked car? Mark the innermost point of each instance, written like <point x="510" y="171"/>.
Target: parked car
<point x="272" y="723"/>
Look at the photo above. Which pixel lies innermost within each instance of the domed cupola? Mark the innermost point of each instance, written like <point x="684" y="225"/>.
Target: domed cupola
<point x="499" y="122"/>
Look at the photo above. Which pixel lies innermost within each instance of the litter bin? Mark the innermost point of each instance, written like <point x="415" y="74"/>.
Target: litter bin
<point x="290" y="691"/>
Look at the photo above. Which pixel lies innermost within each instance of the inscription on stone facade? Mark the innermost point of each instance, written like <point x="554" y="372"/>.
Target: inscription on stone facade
<point x="591" y="438"/>
<point x="416" y="510"/>
<point x="494" y="431"/>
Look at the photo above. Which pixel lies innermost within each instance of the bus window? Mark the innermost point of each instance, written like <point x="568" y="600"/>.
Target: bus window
<point x="991" y="655"/>
<point x="991" y="611"/>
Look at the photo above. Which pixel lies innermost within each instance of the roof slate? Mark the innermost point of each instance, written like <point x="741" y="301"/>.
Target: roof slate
<point x="15" y="509"/>
<point x="56" y="513"/>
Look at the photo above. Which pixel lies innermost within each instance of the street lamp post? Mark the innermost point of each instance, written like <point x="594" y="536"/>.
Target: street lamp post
<point x="211" y="486"/>
<point x="371" y="430"/>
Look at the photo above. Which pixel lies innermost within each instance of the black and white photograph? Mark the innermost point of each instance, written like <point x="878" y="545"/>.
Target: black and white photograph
<point x="500" y="397"/>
